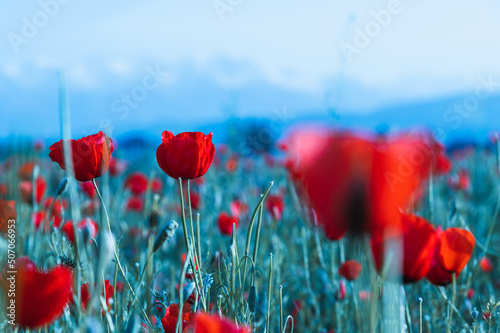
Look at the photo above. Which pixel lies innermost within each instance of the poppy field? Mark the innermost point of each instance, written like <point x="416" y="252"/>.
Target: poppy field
<point x="331" y="230"/>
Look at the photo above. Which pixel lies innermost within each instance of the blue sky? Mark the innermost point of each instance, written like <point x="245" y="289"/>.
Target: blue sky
<point x="236" y="57"/>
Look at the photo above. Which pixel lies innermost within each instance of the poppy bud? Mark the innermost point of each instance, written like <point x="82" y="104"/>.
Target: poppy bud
<point x="165" y="233"/>
<point x="252" y="299"/>
<point x="63" y="186"/>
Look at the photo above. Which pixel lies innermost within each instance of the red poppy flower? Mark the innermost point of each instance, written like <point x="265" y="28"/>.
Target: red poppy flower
<point x="415" y="246"/>
<point x="40" y="218"/>
<point x="157" y="185"/>
<point x="451" y="255"/>
<point x="232" y="164"/>
<point x="85" y="294"/>
<point x="225" y="223"/>
<point x="486" y="265"/>
<point x="187" y="155"/>
<point x="213" y="324"/>
<point x="3" y="190"/>
<point x="460" y="181"/>
<point x="136" y="182"/>
<point x="169" y="321"/>
<point x="91" y="155"/>
<point x="116" y="167"/>
<point x="350" y="270"/>
<point x="7" y="213"/>
<point x="40" y="296"/>
<point x="360" y="183"/>
<point x="238" y="208"/>
<point x="195" y="200"/>
<point x="87" y="223"/>
<point x="26" y="189"/>
<point x="26" y="171"/>
<point x="274" y="205"/>
<point x="135" y="204"/>
<point x="89" y="189"/>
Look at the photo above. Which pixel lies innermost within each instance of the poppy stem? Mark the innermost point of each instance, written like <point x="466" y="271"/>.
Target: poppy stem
<point x="195" y="252"/>
<point x="117" y="259"/>
<point x="193" y="266"/>
<point x="181" y="283"/>
<point x="269" y="291"/>
<point x="453" y="299"/>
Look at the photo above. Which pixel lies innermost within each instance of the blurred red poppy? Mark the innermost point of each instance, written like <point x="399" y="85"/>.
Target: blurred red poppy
<point x="26" y="189"/>
<point x="25" y="171"/>
<point x="7" y="213"/>
<point x="187" y="155"/>
<point x="91" y="155"/>
<point x="359" y="183"/>
<point x="116" y="167"/>
<point x="195" y="200"/>
<point x="350" y="270"/>
<point x="206" y="323"/>
<point x="486" y="265"/>
<point x="86" y="223"/>
<point x="136" y="182"/>
<point x="108" y="289"/>
<point x="3" y="190"/>
<point x="88" y="188"/>
<point x="225" y="223"/>
<point x="135" y="204"/>
<point x="274" y="205"/>
<point x="460" y="181"/>
<point x="40" y="296"/>
<point x="452" y="253"/>
<point x="415" y="246"/>
<point x="232" y="164"/>
<point x="169" y="321"/>
<point x="238" y="208"/>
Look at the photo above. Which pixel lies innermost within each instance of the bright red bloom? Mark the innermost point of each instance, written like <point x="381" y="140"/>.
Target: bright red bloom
<point x="350" y="270"/>
<point x="360" y="183"/>
<point x="275" y="205"/>
<point x="213" y="324"/>
<point x="85" y="294"/>
<point x="135" y="204"/>
<point x="169" y="321"/>
<point x="7" y="212"/>
<point x="26" y="189"/>
<point x="40" y="296"/>
<point x="88" y="223"/>
<point x="91" y="155"/>
<point x="415" y="245"/>
<point x="89" y="189"/>
<point x="486" y="265"/>
<point x="40" y="218"/>
<point x="225" y="223"/>
<point x="451" y="255"/>
<point x="187" y="155"/>
<point x="136" y="182"/>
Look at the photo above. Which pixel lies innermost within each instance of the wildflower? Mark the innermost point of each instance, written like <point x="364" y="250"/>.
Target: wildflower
<point x="350" y="270"/>
<point x="225" y="223"/>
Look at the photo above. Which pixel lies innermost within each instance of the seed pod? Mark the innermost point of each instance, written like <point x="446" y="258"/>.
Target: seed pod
<point x="252" y="299"/>
<point x="165" y="233"/>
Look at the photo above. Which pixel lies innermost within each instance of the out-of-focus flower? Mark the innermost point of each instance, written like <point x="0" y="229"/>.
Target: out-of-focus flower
<point x="350" y="270"/>
<point x="232" y="164"/>
<point x="187" y="155"/>
<point x="26" y="189"/>
<point x="7" y="213"/>
<point x="486" y="265"/>
<point x="238" y="208"/>
<point x="116" y="167"/>
<point x="213" y="324"/>
<point x="40" y="295"/>
<point x="135" y="204"/>
<point x="225" y="223"/>
<point x="169" y="321"/>
<point x="408" y="256"/>
<point x="460" y="181"/>
<point x="108" y="289"/>
<point x="91" y="155"/>
<point x="85" y="224"/>
<point x="25" y="171"/>
<point x="136" y="182"/>
<point x="88" y="188"/>
<point x="451" y="255"/>
<point x="275" y="205"/>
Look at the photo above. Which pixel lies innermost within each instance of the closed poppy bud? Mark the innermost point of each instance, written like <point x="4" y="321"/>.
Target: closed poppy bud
<point x="187" y="155"/>
<point x="165" y="233"/>
<point x="91" y="156"/>
<point x="274" y="205"/>
<point x="40" y="296"/>
<point x="486" y="265"/>
<point x="252" y="299"/>
<point x="225" y="223"/>
<point x="409" y="255"/>
<point x="350" y="270"/>
<point x="136" y="182"/>
<point x="7" y="213"/>
<point x="341" y="291"/>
